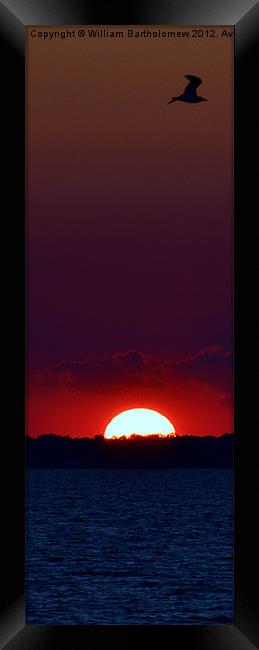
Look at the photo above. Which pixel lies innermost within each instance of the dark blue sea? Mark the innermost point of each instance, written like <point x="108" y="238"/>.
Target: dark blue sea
<point x="130" y="546"/>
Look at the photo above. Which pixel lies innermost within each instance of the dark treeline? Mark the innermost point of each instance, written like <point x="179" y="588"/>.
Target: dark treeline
<point x="51" y="451"/>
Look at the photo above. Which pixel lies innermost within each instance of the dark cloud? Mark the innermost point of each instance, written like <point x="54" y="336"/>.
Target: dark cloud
<point x="132" y="362"/>
<point x="124" y="369"/>
<point x="210" y="365"/>
<point x="95" y="373"/>
<point x="129" y="369"/>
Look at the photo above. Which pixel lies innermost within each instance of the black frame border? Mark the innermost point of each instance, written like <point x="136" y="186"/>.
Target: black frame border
<point x="14" y="18"/>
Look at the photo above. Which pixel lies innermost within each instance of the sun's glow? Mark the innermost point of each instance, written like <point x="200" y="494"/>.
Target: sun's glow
<point x="139" y="421"/>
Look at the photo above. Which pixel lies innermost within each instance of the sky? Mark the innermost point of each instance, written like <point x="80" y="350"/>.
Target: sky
<point x="129" y="233"/>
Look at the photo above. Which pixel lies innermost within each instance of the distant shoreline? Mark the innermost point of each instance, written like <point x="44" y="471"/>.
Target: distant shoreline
<point x="53" y="452"/>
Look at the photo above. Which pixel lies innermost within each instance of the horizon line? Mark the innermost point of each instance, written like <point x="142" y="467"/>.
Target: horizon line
<point x="140" y="436"/>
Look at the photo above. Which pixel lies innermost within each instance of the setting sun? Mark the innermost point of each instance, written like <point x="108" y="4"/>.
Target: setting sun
<point x="139" y="421"/>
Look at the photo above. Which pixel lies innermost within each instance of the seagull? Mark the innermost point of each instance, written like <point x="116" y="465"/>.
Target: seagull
<point x="189" y="95"/>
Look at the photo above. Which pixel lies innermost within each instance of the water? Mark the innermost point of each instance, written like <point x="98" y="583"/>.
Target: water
<point x="129" y="546"/>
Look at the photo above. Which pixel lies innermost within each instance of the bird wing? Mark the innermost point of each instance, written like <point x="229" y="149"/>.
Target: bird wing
<point x="194" y="82"/>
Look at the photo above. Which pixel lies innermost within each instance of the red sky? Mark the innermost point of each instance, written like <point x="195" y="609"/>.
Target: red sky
<point x="130" y="222"/>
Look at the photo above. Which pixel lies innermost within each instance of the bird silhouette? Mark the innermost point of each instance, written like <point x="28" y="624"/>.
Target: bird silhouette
<point x="190" y="95"/>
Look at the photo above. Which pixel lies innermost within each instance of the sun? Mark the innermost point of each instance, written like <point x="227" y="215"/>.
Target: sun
<point x="139" y="421"/>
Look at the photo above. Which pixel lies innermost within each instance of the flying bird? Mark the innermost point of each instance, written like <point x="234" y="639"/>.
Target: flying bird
<point x="190" y="95"/>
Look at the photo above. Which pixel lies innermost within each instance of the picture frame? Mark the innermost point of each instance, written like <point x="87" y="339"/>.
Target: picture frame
<point x="14" y="18"/>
